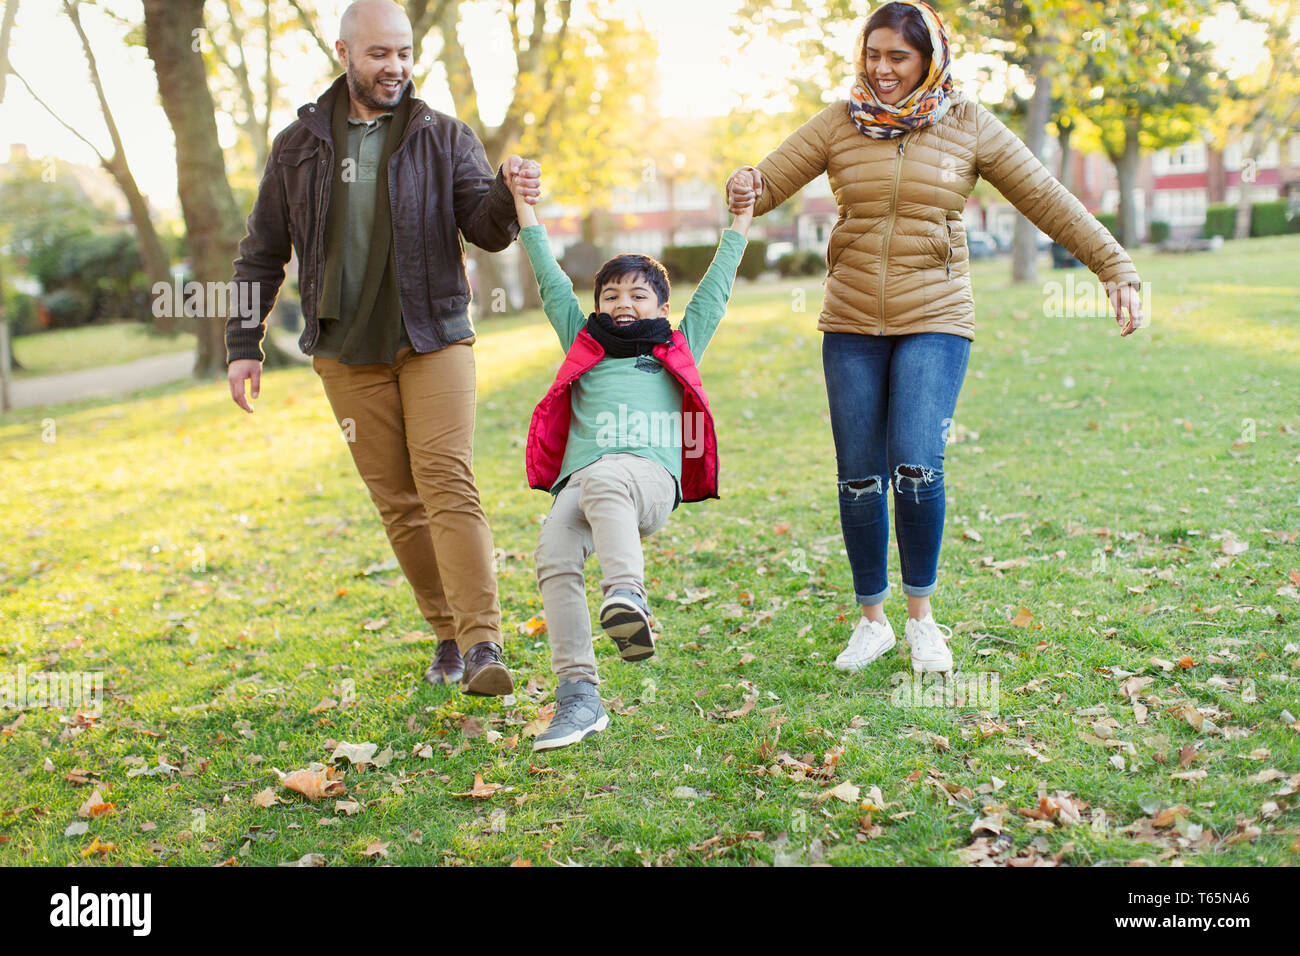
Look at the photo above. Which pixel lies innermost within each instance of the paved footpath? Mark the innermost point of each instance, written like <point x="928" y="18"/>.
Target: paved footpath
<point x="113" y="379"/>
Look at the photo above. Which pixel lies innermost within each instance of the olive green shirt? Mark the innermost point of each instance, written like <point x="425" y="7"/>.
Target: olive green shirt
<point x="365" y="147"/>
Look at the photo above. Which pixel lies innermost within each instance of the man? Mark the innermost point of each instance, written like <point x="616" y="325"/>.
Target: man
<point x="373" y="189"/>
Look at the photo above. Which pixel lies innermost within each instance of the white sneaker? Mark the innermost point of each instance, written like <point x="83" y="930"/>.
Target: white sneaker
<point x="870" y="640"/>
<point x="929" y="644"/>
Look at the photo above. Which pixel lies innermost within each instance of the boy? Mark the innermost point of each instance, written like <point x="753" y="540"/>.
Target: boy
<point x="620" y="439"/>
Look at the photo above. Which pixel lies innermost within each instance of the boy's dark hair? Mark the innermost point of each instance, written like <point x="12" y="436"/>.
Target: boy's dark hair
<point x="643" y="267"/>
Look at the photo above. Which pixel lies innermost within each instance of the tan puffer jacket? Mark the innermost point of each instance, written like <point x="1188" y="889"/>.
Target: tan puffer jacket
<point x="897" y="261"/>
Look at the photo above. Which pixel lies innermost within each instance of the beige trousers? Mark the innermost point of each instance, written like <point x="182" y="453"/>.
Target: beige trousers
<point x="606" y="507"/>
<point x="410" y="427"/>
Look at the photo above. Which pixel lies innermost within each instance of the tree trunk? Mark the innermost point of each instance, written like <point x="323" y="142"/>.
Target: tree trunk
<point x="173" y="30"/>
<point x="532" y="296"/>
<point x="488" y="279"/>
<point x="1245" y="186"/>
<point x="1024" y="243"/>
<point x="1063" y="131"/>
<point x="152" y="257"/>
<point x="1126" y="169"/>
<point x="7" y="361"/>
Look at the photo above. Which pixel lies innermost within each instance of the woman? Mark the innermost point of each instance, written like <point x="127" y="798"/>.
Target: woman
<point x="903" y="154"/>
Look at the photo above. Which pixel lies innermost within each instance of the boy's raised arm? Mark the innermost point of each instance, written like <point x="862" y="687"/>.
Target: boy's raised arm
<point x="563" y="310"/>
<point x="709" y="303"/>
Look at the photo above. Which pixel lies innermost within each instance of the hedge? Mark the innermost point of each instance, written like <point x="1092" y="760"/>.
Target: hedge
<point x="754" y="262"/>
<point x="1159" y="231"/>
<point x="1220" y="220"/>
<point x="1111" y="221"/>
<point x="1268" y="218"/>
<point x="804" y="262"/>
<point x="687" y="263"/>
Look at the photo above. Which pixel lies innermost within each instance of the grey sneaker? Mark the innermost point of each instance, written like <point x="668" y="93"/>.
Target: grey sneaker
<point x="625" y="617"/>
<point x="578" y="715"/>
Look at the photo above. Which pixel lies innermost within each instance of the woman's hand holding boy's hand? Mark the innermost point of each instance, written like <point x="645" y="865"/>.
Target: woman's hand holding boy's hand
<point x="744" y="186"/>
<point x="743" y="190"/>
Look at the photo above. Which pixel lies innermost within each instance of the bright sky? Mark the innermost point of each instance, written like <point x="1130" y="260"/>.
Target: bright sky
<point x="702" y="73"/>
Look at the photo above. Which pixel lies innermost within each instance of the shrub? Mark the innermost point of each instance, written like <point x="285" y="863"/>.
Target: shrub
<point x="1111" y="221"/>
<point x="803" y="262"/>
<point x="67" y="308"/>
<point x="754" y="262"/>
<point x="22" y="312"/>
<point x="687" y="263"/>
<point x="1159" y="231"/>
<point x="1268" y="218"/>
<point x="1220" y="220"/>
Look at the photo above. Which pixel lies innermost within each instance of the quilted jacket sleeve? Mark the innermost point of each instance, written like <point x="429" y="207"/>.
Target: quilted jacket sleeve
<point x="796" y="162"/>
<point x="1009" y="166"/>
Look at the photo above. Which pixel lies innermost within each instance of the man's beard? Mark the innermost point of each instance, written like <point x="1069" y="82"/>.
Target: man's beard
<point x="372" y="95"/>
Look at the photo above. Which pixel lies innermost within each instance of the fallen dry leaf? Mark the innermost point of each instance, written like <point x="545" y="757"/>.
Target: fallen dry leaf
<point x="1169" y="816"/>
<point x="480" y="790"/>
<point x="845" y="792"/>
<point x="313" y="782"/>
<point x="95" y="806"/>
<point x="539" y="723"/>
<point x="266" y="798"/>
<point x="359" y="755"/>
<point x="1135" y="685"/>
<point x="96" y="847"/>
<point x="746" y="706"/>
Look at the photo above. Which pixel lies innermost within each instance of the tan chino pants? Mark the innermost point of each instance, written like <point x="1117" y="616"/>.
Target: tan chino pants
<point x="413" y="428"/>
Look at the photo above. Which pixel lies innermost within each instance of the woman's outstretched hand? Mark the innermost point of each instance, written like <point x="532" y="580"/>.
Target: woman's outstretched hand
<point x="744" y="186"/>
<point x="1123" y="299"/>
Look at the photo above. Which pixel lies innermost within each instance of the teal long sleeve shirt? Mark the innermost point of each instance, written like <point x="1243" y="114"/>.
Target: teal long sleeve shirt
<point x="630" y="405"/>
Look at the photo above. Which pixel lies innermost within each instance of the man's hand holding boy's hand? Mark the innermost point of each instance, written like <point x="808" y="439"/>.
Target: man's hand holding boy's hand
<point x="524" y="177"/>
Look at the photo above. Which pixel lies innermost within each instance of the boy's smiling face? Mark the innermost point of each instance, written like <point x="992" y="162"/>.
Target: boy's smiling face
<point x="629" y="298"/>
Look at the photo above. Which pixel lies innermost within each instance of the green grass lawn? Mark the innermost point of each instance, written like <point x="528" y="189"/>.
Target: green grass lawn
<point x="94" y="346"/>
<point x="226" y="575"/>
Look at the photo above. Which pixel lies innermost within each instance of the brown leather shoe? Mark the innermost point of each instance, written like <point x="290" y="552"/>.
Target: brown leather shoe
<point x="485" y="673"/>
<point x="448" y="667"/>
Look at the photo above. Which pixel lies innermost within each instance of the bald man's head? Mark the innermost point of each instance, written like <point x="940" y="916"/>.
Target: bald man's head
<point x="375" y="45"/>
<point x="368" y="17"/>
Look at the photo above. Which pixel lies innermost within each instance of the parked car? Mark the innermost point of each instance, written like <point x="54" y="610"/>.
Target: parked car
<point x="982" y="245"/>
<point x="1062" y="259"/>
<point x="775" y="250"/>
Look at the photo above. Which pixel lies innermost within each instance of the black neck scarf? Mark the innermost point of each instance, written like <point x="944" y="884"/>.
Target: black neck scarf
<point x="631" y="339"/>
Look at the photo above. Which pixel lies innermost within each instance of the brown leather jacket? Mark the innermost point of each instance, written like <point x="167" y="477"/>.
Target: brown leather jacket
<point x="897" y="261"/>
<point x="440" y="186"/>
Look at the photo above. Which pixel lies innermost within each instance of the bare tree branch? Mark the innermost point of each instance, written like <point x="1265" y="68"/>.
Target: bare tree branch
<point x="11" y="11"/>
<point x="59" y="119"/>
<point x="252" y="126"/>
<point x="308" y="20"/>
<point x="264" y="134"/>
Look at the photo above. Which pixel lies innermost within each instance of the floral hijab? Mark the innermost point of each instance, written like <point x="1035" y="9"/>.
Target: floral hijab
<point x="924" y="106"/>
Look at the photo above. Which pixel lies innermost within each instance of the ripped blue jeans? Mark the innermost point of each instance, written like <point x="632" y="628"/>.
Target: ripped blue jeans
<point x="891" y="403"/>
